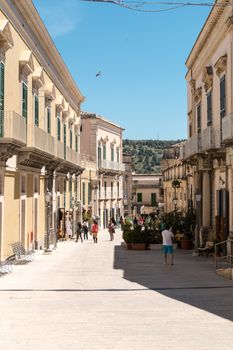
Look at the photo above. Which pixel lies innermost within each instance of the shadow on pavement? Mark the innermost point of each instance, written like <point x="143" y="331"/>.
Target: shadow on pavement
<point x="192" y="280"/>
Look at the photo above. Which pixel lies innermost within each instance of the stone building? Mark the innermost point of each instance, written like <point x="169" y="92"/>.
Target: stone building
<point x="39" y="129"/>
<point x="102" y="140"/>
<point x="210" y="120"/>
<point x="147" y="192"/>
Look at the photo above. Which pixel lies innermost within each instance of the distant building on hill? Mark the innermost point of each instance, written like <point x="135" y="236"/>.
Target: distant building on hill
<point x="147" y="192"/>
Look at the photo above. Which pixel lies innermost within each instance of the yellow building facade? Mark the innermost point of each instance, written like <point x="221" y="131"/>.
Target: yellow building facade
<point x="210" y="118"/>
<point x="39" y="130"/>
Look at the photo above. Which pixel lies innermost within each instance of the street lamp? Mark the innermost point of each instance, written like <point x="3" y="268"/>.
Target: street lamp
<point x="48" y="205"/>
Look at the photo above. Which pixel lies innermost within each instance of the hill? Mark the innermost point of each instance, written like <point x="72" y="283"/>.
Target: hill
<point x="146" y="154"/>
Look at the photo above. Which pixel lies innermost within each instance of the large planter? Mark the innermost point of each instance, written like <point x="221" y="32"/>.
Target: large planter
<point x="138" y="246"/>
<point x="128" y="245"/>
<point x="186" y="244"/>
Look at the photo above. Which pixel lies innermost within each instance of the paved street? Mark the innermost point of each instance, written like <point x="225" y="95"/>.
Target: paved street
<point x="101" y="296"/>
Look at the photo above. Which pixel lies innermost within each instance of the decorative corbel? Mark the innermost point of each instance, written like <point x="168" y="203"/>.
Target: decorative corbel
<point x="221" y="65"/>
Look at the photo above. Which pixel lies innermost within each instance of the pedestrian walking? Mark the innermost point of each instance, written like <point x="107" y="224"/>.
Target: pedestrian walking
<point x="168" y="238"/>
<point x="68" y="225"/>
<point x="79" y="232"/>
<point x="85" y="229"/>
<point x="111" y="228"/>
<point x="94" y="230"/>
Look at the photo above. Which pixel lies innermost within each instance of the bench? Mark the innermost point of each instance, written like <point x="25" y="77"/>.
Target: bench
<point x="21" y="254"/>
<point x="6" y="265"/>
<point x="208" y="248"/>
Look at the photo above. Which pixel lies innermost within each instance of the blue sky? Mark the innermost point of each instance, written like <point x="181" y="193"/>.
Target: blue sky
<point x="141" y="57"/>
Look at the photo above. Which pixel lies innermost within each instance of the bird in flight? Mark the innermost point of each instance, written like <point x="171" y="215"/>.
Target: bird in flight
<point x="98" y="74"/>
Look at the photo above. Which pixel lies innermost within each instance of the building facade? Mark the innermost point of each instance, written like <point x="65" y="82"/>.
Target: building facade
<point x="103" y="140"/>
<point x="210" y="118"/>
<point x="177" y="181"/>
<point x="127" y="184"/>
<point x="39" y="130"/>
<point x="147" y="191"/>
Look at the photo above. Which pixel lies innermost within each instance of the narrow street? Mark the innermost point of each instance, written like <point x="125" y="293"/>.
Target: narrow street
<point x="101" y="296"/>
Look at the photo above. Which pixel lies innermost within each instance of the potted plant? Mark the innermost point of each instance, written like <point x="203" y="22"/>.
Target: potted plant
<point x="135" y="238"/>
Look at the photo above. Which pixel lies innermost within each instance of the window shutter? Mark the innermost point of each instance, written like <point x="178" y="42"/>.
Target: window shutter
<point x="76" y="143"/>
<point x="36" y="101"/>
<point x="25" y="101"/>
<point x="48" y="120"/>
<point x="58" y="129"/>
<point x="222" y="96"/>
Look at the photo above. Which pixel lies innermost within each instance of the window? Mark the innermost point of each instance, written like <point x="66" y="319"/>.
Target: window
<point x="76" y="143"/>
<point x="223" y="96"/>
<point x="89" y="192"/>
<point x="111" y="189"/>
<point x="139" y="197"/>
<point x="71" y="138"/>
<point x="118" y="155"/>
<point x="99" y="156"/>
<point x="24" y="100"/>
<point x="58" y="127"/>
<point x="1" y="184"/>
<point x="209" y="108"/>
<point x="118" y="190"/>
<point x="199" y="117"/>
<point x="104" y="151"/>
<point x="105" y="188"/>
<point x="48" y="120"/>
<point x="99" y="190"/>
<point x="153" y="199"/>
<point x="1" y="99"/>
<point x="23" y="184"/>
<point x="64" y="193"/>
<point x="112" y="153"/>
<point x="190" y="130"/>
<point x="64" y="139"/>
<point x="36" y="110"/>
<point x="35" y="184"/>
<point x="84" y="193"/>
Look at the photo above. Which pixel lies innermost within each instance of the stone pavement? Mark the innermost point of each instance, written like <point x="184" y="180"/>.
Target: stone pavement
<point x="101" y="296"/>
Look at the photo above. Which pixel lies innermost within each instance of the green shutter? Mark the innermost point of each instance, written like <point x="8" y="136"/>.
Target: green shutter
<point x="89" y="192"/>
<point x="71" y="139"/>
<point x="84" y="194"/>
<point x="118" y="155"/>
<point x="48" y="120"/>
<point x="36" y="111"/>
<point x="76" y="143"/>
<point x="112" y="154"/>
<point x="153" y="199"/>
<point x="2" y="69"/>
<point x="104" y="152"/>
<point x="58" y="129"/>
<point x="139" y="197"/>
<point x="64" y="140"/>
<point x="24" y="101"/>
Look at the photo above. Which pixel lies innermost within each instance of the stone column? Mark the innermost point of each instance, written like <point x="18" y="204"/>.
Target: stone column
<point x="206" y="199"/>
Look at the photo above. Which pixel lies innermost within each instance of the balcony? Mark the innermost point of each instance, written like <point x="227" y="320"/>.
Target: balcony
<point x="111" y="166"/>
<point x="72" y="156"/>
<point x="227" y="128"/>
<point x="210" y="139"/>
<point x="191" y="147"/>
<point x="13" y="128"/>
<point x="41" y="140"/>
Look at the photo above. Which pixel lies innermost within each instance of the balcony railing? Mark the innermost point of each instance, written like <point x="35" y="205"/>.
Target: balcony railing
<point x="41" y="140"/>
<point x="72" y="156"/>
<point x="59" y="149"/>
<point x="227" y="128"/>
<point x="190" y="147"/>
<point x="210" y="139"/>
<point x="13" y="127"/>
<point x="106" y="164"/>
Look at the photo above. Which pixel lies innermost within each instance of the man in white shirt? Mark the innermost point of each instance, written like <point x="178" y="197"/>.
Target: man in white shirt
<point x="167" y="245"/>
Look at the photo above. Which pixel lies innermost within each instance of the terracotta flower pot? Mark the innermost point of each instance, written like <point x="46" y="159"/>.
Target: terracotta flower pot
<point x="138" y="246"/>
<point x="186" y="244"/>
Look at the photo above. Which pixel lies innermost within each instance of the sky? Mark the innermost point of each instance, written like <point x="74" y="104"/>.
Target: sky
<point x="141" y="57"/>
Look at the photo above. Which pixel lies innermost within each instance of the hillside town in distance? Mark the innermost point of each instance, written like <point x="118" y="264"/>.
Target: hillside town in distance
<point x="161" y="211"/>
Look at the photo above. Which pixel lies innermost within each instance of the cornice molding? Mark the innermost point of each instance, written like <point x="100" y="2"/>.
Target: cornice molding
<point x="221" y="65"/>
<point x="28" y="24"/>
<point x="207" y="77"/>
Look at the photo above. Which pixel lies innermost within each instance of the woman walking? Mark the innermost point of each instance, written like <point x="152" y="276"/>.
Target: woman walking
<point x="111" y="228"/>
<point x="79" y="232"/>
<point x="94" y="230"/>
